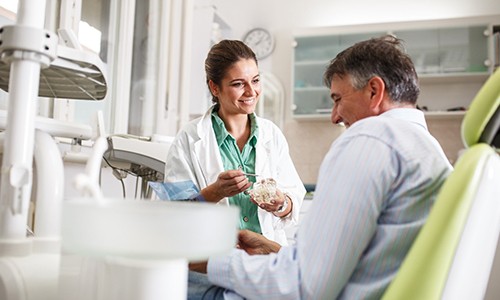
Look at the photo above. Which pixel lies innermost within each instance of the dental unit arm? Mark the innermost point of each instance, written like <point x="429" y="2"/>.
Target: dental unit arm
<point x="142" y="157"/>
<point x="33" y="65"/>
<point x="149" y="258"/>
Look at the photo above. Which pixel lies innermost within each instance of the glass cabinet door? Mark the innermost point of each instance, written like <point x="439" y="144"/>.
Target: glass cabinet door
<point x="452" y="55"/>
<point x="423" y="47"/>
<point x="312" y="55"/>
<point x="447" y="50"/>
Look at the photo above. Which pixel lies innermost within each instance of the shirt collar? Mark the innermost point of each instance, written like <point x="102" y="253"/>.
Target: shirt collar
<point x="409" y="114"/>
<point x="221" y="133"/>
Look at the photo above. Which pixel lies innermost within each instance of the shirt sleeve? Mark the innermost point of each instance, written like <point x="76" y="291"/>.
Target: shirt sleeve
<point x="273" y="276"/>
<point x="332" y="237"/>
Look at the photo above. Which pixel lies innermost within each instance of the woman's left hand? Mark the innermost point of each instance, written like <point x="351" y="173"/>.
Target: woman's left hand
<point x="274" y="204"/>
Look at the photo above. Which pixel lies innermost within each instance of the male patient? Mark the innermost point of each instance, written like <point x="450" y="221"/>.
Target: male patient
<point x="375" y="188"/>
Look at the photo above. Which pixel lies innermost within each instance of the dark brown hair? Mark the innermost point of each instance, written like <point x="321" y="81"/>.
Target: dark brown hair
<point x="222" y="56"/>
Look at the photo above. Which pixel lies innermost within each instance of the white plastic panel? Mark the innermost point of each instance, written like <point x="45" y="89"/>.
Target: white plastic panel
<point x="470" y="270"/>
<point x="141" y="229"/>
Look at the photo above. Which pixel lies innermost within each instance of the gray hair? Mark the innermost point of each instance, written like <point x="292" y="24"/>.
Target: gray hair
<point x="384" y="57"/>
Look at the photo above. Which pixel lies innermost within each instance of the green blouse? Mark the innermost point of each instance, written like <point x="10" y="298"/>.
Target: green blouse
<point x="232" y="159"/>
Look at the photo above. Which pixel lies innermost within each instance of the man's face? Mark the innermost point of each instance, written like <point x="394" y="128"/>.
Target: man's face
<point x="349" y="105"/>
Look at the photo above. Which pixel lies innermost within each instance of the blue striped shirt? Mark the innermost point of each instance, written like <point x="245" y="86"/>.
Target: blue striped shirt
<point x="374" y="191"/>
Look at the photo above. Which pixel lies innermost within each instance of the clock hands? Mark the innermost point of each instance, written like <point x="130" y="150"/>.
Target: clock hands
<point x="261" y="41"/>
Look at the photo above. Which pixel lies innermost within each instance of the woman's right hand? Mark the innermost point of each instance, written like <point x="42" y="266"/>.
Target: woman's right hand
<point x="228" y="184"/>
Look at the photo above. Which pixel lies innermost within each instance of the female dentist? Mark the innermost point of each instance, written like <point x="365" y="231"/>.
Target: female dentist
<point x="222" y="151"/>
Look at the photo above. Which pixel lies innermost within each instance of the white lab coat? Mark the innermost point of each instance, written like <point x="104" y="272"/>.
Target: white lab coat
<point x="194" y="155"/>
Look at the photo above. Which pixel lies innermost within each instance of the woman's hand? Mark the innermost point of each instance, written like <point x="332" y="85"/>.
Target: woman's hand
<point x="228" y="184"/>
<point x="255" y="243"/>
<point x="276" y="204"/>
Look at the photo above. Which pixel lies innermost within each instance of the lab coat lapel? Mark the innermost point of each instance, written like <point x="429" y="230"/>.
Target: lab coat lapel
<point x="207" y="151"/>
<point x="264" y="157"/>
<point x="263" y="152"/>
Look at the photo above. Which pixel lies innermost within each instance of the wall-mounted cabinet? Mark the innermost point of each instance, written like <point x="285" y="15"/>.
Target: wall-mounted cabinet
<point x="452" y="57"/>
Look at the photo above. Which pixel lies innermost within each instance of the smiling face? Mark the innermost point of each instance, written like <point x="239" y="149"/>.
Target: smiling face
<point x="350" y="105"/>
<point x="239" y="90"/>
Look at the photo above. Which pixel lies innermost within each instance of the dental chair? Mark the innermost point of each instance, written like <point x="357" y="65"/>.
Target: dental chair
<point x="453" y="255"/>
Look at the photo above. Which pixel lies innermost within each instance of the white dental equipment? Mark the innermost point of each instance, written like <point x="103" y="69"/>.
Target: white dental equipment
<point x="141" y="152"/>
<point x="142" y="157"/>
<point x="145" y="262"/>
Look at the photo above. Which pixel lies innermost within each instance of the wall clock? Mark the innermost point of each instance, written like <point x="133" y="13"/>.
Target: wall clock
<point x="261" y="41"/>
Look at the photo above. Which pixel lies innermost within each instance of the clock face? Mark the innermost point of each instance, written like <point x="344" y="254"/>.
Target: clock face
<point x="260" y="41"/>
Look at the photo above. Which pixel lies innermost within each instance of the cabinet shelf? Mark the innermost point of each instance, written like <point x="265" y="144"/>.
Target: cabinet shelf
<point x="308" y="63"/>
<point x="429" y="115"/>
<point x="311" y="89"/>
<point x="312" y="117"/>
<point x="453" y="77"/>
<point x="453" y="58"/>
<point x="444" y="114"/>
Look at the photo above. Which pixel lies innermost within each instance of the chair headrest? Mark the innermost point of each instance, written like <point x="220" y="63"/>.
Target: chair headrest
<point x="481" y="123"/>
<point x="491" y="133"/>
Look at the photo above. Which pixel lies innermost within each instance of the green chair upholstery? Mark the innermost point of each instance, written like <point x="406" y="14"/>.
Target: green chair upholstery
<point x="425" y="271"/>
<point x="453" y="254"/>
<point x="481" y="123"/>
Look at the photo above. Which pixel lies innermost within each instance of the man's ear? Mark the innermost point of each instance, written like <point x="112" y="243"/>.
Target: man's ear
<point x="213" y="88"/>
<point x="377" y="90"/>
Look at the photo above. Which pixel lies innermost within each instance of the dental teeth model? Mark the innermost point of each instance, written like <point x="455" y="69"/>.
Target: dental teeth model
<point x="264" y="190"/>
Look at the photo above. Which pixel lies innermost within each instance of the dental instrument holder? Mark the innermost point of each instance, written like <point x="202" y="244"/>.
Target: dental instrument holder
<point x="26" y="47"/>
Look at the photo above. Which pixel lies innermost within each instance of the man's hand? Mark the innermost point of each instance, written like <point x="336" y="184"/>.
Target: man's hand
<point x="200" y="267"/>
<point x="254" y="243"/>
